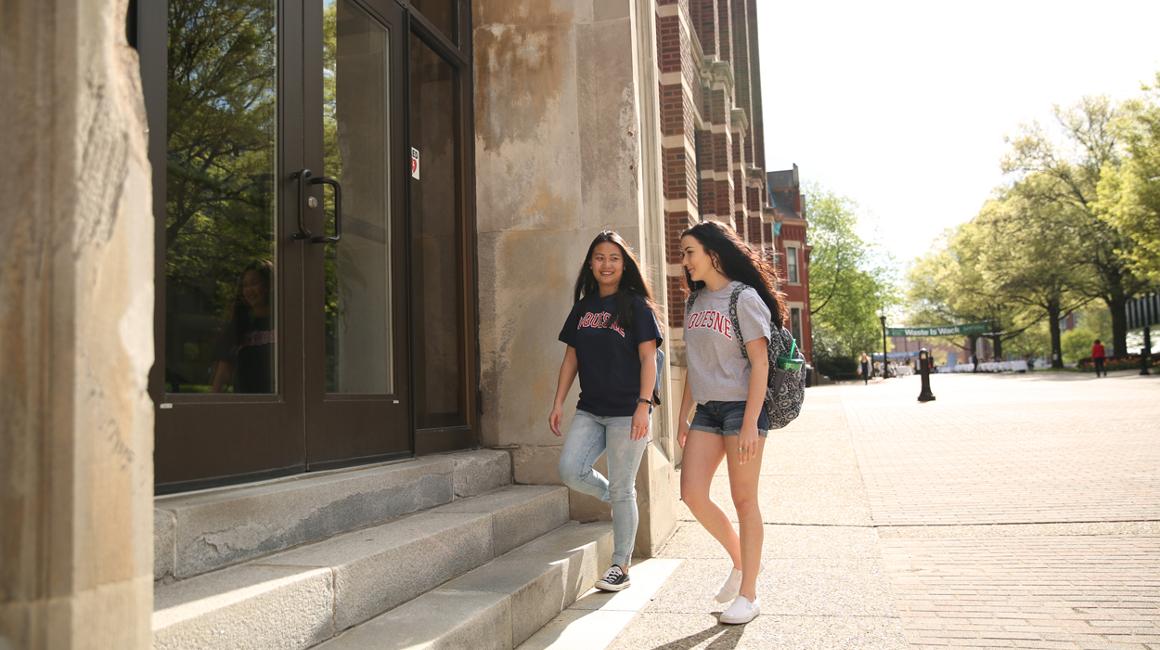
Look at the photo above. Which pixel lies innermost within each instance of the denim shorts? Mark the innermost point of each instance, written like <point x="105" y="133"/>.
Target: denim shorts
<point x="725" y="418"/>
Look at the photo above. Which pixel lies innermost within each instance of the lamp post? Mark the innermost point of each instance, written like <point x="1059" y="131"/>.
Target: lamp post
<point x="885" y="363"/>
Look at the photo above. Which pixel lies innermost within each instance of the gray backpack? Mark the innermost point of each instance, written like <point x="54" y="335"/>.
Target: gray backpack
<point x="785" y="389"/>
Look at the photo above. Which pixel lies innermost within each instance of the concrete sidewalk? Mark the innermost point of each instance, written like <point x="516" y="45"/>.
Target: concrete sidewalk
<point x="1015" y="511"/>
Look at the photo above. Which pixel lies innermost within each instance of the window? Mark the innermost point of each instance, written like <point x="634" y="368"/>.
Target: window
<point x="795" y="323"/>
<point x="791" y="261"/>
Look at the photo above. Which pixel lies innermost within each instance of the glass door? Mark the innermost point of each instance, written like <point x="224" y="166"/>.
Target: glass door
<point x="277" y="147"/>
<point x="357" y="384"/>
<point x="228" y="280"/>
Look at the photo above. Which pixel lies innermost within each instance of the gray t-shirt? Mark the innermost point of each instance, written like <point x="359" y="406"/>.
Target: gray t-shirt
<point x="717" y="371"/>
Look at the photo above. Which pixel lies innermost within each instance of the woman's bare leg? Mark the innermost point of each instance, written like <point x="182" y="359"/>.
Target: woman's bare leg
<point x="703" y="454"/>
<point x="743" y="479"/>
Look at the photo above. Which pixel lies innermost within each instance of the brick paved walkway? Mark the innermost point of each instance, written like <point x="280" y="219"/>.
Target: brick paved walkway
<point x="1015" y="511"/>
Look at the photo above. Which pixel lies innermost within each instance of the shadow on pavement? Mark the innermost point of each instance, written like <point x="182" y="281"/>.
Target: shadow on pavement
<point x="730" y="637"/>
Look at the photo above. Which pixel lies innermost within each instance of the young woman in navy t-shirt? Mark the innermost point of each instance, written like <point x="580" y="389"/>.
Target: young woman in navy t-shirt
<point x="612" y="337"/>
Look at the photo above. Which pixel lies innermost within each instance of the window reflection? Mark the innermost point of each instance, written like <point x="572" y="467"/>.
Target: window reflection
<point x="443" y="14"/>
<point x="357" y="149"/>
<point x="220" y="280"/>
<point x="436" y="272"/>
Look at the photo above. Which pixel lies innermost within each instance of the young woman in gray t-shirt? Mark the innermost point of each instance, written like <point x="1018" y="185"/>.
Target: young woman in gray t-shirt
<point x="728" y="391"/>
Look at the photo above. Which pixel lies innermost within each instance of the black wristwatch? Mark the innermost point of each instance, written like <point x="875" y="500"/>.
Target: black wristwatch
<point x="642" y="400"/>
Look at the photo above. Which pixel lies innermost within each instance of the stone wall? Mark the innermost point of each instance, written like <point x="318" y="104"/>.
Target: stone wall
<point x="560" y="154"/>
<point x="76" y="332"/>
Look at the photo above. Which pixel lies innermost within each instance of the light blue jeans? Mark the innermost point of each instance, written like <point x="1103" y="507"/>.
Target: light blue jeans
<point x="588" y="437"/>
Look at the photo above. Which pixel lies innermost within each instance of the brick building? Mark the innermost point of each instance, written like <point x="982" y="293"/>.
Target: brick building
<point x="713" y="146"/>
<point x="793" y="251"/>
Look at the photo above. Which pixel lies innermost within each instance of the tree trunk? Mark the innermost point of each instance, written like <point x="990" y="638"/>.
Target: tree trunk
<point x="1119" y="321"/>
<point x="1053" y="313"/>
<point x="997" y="344"/>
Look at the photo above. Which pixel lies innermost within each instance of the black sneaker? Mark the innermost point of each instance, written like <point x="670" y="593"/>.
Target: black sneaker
<point x="615" y="579"/>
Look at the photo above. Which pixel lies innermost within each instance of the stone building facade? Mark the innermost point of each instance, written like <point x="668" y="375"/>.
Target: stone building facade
<point x="531" y="125"/>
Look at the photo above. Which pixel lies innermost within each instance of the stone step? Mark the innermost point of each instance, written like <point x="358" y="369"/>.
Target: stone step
<point x="499" y="605"/>
<point x="197" y="532"/>
<point x="303" y="596"/>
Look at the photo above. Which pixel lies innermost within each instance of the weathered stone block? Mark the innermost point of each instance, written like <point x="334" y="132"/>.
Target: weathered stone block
<point x="379" y="568"/>
<point x="164" y="543"/>
<point x="537" y="465"/>
<point x="436" y="620"/>
<point x="246" y="607"/>
<point x="542" y="577"/>
<point x="225" y="527"/>
<point x="519" y="514"/>
<point x="480" y="471"/>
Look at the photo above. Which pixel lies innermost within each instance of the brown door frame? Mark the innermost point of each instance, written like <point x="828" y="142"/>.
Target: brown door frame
<point x="354" y="429"/>
<point x="436" y="440"/>
<point x="243" y="437"/>
<point x="277" y="423"/>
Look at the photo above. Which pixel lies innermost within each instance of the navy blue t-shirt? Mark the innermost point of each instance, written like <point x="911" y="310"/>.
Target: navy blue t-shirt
<point x="607" y="354"/>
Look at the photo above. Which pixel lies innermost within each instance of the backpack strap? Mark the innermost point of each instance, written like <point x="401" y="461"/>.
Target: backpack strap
<point x="733" y="317"/>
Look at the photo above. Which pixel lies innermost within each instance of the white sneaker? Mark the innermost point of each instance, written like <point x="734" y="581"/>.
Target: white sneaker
<point x="732" y="586"/>
<point x="741" y="611"/>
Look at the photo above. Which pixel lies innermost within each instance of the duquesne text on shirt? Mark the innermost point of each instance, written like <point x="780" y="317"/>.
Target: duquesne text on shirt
<point x="599" y="320"/>
<point x="710" y="319"/>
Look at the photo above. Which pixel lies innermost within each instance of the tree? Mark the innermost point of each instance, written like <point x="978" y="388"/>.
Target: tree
<point x="1129" y="194"/>
<point x="848" y="287"/>
<point x="1068" y="177"/>
<point x="221" y="121"/>
<point x="1018" y="241"/>
<point x="948" y="287"/>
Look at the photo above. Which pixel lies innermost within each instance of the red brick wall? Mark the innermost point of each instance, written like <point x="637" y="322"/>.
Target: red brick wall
<point x="707" y="171"/>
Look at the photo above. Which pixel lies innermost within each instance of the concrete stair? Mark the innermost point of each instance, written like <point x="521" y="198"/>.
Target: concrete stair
<point x="498" y="605"/>
<point x="506" y="560"/>
<point x="202" y="531"/>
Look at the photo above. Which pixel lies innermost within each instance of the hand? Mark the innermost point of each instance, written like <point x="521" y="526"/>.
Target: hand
<point x="554" y="419"/>
<point x="747" y="442"/>
<point x="682" y="433"/>
<point x="640" y="422"/>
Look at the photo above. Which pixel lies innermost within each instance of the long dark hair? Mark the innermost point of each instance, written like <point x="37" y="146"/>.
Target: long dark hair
<point x="632" y="283"/>
<point x="738" y="261"/>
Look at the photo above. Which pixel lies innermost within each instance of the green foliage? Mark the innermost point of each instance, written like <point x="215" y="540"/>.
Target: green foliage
<point x="848" y="286"/>
<point x="1080" y="221"/>
<point x="1129" y="193"/>
<point x="1032" y="342"/>
<point x="220" y="187"/>
<point x="1077" y="344"/>
<point x="1067" y="177"/>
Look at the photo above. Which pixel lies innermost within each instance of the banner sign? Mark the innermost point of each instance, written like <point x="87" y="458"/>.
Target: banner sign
<point x="940" y="330"/>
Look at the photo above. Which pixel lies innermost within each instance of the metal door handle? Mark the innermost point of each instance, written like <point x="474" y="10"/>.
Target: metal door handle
<point x="303" y="176"/>
<point x="322" y="239"/>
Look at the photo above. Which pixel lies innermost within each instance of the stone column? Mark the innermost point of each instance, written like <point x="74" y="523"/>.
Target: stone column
<point x="76" y="331"/>
<point x="560" y="155"/>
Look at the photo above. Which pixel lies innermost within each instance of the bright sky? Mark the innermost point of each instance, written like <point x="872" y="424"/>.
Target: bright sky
<point x="903" y="105"/>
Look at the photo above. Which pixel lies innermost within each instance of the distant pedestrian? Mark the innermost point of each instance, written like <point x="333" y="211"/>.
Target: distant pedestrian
<point x="1099" y="357"/>
<point x="612" y="336"/>
<point x="730" y="283"/>
<point x="864" y="364"/>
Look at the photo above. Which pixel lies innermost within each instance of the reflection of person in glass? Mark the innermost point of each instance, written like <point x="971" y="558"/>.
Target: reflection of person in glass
<point x="246" y="346"/>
